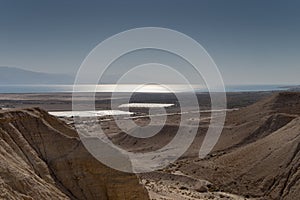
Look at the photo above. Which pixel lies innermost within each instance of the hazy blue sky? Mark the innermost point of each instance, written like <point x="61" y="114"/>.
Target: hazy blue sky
<point x="254" y="41"/>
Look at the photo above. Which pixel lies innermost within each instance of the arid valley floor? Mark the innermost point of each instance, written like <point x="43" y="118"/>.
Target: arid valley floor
<point x="256" y="157"/>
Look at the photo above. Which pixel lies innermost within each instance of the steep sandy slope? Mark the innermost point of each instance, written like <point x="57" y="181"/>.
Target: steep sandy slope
<point x="268" y="167"/>
<point x="42" y="158"/>
<point x="260" y="151"/>
<point x="258" y="120"/>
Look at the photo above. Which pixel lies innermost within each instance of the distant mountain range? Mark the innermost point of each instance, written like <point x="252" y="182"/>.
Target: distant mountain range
<point x="14" y="76"/>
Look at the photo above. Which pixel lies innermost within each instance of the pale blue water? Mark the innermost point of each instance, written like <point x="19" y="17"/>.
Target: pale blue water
<point x="69" y="88"/>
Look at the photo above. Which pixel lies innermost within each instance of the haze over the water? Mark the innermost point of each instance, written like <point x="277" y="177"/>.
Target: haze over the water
<point x="252" y="42"/>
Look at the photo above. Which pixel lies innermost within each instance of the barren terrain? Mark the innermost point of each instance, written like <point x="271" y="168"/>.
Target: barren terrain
<point x="257" y="156"/>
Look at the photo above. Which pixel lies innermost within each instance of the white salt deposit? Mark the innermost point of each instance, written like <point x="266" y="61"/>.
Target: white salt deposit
<point x="145" y="105"/>
<point x="97" y="113"/>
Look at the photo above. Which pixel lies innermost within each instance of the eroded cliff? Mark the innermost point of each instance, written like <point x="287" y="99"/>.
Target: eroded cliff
<point x="43" y="158"/>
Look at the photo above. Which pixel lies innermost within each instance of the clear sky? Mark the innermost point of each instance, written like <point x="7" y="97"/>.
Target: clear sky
<point x="252" y="42"/>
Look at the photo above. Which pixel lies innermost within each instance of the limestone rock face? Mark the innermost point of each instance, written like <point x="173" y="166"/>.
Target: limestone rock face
<point x="43" y="158"/>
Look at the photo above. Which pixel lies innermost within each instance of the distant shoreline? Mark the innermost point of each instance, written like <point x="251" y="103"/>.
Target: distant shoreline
<point x="37" y="89"/>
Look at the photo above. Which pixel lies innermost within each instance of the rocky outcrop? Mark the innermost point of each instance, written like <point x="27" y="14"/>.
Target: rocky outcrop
<point x="259" y="151"/>
<point x="258" y="120"/>
<point x="43" y="158"/>
<point x="269" y="167"/>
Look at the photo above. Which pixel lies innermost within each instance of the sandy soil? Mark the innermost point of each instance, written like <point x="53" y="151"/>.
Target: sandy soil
<point x="257" y="156"/>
